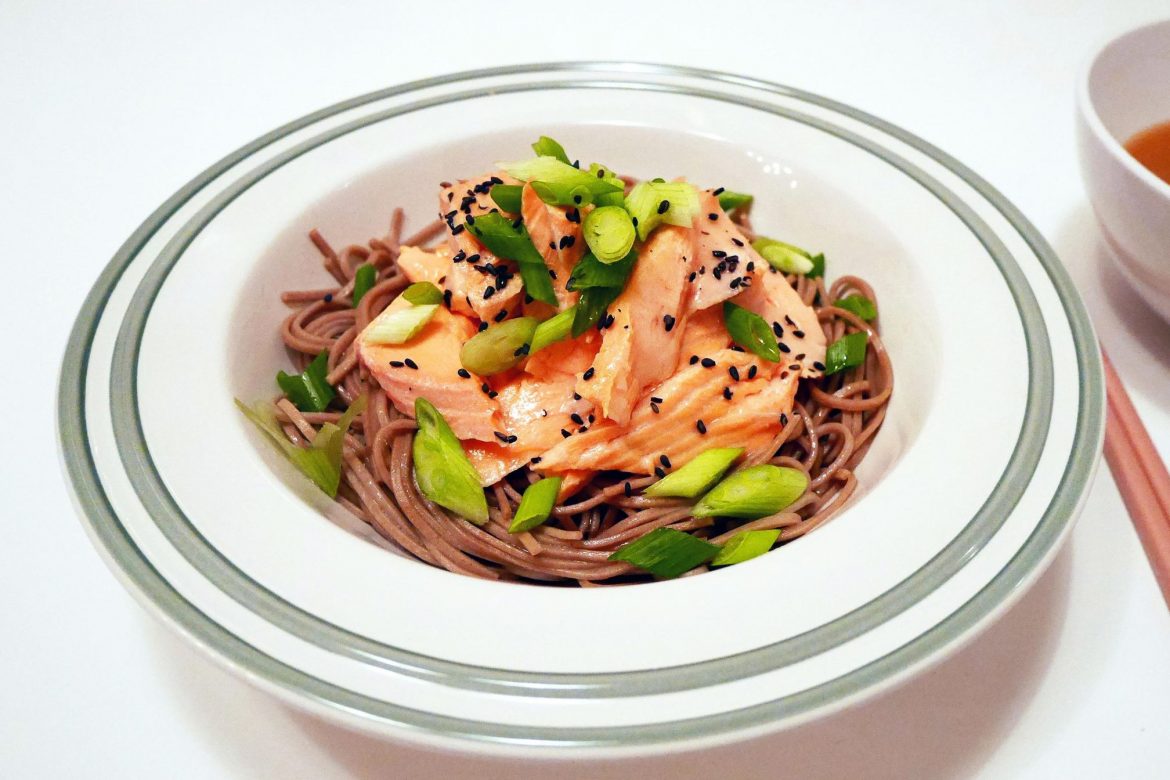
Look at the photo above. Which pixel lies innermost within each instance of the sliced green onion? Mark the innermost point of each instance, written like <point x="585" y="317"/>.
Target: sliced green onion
<point x="398" y="326"/>
<point x="591" y="307"/>
<point x="591" y="272"/>
<point x="441" y="468"/>
<point x="846" y="352"/>
<point x="510" y="241"/>
<point x="508" y="197"/>
<point x="746" y="545"/>
<point x="665" y="552"/>
<point x="609" y="232"/>
<point x="818" y="269"/>
<point x="363" y="279"/>
<point x="784" y="257"/>
<point x="651" y="203"/>
<point x="610" y="199"/>
<point x="559" y="183"/>
<point x="750" y="331"/>
<point x="547" y="147"/>
<point x="500" y="347"/>
<point x="698" y="476"/>
<point x="422" y="293"/>
<point x="729" y="200"/>
<point x="309" y="391"/>
<point x="754" y="492"/>
<point x="536" y="504"/>
<point x="860" y="305"/>
<point x="555" y="328"/>
<point x="321" y="460"/>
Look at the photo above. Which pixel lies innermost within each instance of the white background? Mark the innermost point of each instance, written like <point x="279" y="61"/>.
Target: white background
<point x="107" y="108"/>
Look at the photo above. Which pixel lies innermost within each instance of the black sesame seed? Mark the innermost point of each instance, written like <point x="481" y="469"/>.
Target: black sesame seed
<point x="606" y="321"/>
<point x="577" y="199"/>
<point x="665" y="461"/>
<point x="447" y="298"/>
<point x="501" y="436"/>
<point x="470" y="220"/>
<point x="576" y="396"/>
<point x="628" y="489"/>
<point x="663" y="207"/>
<point x="591" y="419"/>
<point x="712" y="216"/>
<point x="489" y="292"/>
<point x="411" y="364"/>
<point x="718" y="253"/>
<point x="727" y="393"/>
<point x="485" y="388"/>
<point x="501" y="315"/>
<point x="463" y="372"/>
<point x="483" y="326"/>
<point x="751" y="266"/>
<point x="783" y="347"/>
<point x="522" y="350"/>
<point x="798" y="333"/>
<point x="577" y="418"/>
<point x="779" y="331"/>
<point x="565" y="433"/>
<point x="702" y="426"/>
<point x="457" y="230"/>
<point x="573" y="215"/>
<point x="658" y="472"/>
<point x="818" y="365"/>
<point x="634" y="220"/>
<point x="692" y="277"/>
<point x="783" y="420"/>
<point x="734" y="373"/>
<point x="536" y="460"/>
<point x="694" y="359"/>
<point x="707" y="363"/>
<point x="582" y="429"/>
<point x="516" y="223"/>
<point x="799" y="356"/>
<point x="588" y="374"/>
<point x="717" y="192"/>
<point x="473" y="259"/>
<point x="655" y="399"/>
<point x="735" y="282"/>
<point x="654" y="407"/>
<point x="788" y="319"/>
<point x="737" y="242"/>
<point x="567" y="241"/>
<point x="328" y="297"/>
<point x="668" y="321"/>
<point x="396" y="364"/>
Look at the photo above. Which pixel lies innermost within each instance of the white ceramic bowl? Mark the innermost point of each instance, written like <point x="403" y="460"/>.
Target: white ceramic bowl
<point x="1124" y="89"/>
<point x="991" y="439"/>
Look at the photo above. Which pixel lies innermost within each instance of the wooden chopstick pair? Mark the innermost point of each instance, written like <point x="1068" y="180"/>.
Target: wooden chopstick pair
<point x="1140" y="475"/>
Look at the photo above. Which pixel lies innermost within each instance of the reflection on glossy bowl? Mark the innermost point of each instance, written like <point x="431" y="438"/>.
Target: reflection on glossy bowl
<point x="1123" y="91"/>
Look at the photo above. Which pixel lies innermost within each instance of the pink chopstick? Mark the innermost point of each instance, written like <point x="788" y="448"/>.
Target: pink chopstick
<point x="1140" y="474"/>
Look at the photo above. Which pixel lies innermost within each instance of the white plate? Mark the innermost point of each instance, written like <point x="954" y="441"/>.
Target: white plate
<point x="992" y="435"/>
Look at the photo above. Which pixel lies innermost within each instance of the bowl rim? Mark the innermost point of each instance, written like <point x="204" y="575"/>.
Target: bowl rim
<point x="1088" y="108"/>
<point x="988" y="602"/>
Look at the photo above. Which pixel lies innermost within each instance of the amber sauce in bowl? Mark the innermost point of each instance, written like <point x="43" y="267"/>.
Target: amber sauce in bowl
<point x="1151" y="147"/>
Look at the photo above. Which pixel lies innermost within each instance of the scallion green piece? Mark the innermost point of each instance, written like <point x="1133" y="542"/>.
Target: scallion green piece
<point x="558" y="183"/>
<point x="609" y="232"/>
<point x="784" y="257"/>
<point x="698" y="476"/>
<point x="591" y="306"/>
<point x="508" y="197"/>
<point x="363" y="279"/>
<point x="746" y="545"/>
<point x="555" y="328"/>
<point x="754" y="492"/>
<point x="728" y="200"/>
<point x="422" y="294"/>
<point x="441" y="468"/>
<point x="860" y="305"/>
<point x="750" y="331"/>
<point x="666" y="553"/>
<point x="509" y="241"/>
<point x="650" y="203"/>
<point x="309" y="390"/>
<point x="846" y="352"/>
<point x="321" y="460"/>
<point x="500" y="347"/>
<point x="400" y="325"/>
<point x="818" y="269"/>
<point x="591" y="272"/>
<point x="547" y="147"/>
<point x="536" y="504"/>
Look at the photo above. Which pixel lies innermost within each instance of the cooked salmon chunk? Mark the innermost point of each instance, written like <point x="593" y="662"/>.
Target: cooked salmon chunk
<point x="422" y="265"/>
<point x="556" y="233"/>
<point x="732" y="399"/>
<point x="798" y="331"/>
<point x="428" y="366"/>
<point x="641" y="346"/>
<point x="481" y="284"/>
<point x="727" y="264"/>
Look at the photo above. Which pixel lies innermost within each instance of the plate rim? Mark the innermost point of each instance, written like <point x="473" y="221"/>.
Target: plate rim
<point x="1054" y="522"/>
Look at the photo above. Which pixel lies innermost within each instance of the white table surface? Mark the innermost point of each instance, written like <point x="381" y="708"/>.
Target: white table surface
<point x="107" y="108"/>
